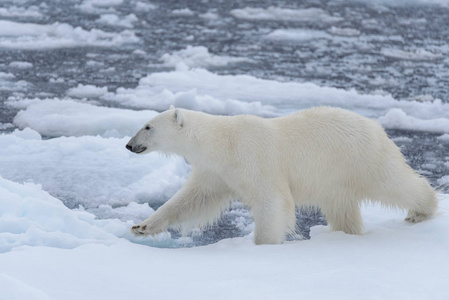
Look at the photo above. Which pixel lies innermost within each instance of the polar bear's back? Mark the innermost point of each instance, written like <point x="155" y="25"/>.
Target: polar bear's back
<point x="326" y="129"/>
<point x="323" y="149"/>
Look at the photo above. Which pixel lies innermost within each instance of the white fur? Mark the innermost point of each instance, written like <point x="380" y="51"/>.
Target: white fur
<point x="325" y="157"/>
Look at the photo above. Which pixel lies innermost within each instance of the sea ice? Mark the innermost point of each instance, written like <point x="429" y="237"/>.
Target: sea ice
<point x="90" y="170"/>
<point x="15" y="35"/>
<point x="86" y="91"/>
<point x="54" y="117"/>
<point x="114" y="20"/>
<point x="8" y="83"/>
<point x="285" y="14"/>
<point x="297" y="35"/>
<point x="285" y="96"/>
<point x="144" y="6"/>
<point x="21" y="12"/>
<point x="20" y="64"/>
<point x="417" y="54"/>
<point x="183" y="12"/>
<point x="199" y="56"/>
<point x="398" y="119"/>
<point x="99" y="6"/>
<point x="145" y="96"/>
<point x="343" y="31"/>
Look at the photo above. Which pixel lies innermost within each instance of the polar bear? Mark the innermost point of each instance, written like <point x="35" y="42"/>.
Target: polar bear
<point x="325" y="157"/>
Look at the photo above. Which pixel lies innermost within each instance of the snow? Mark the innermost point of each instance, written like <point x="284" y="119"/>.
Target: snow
<point x="13" y="289"/>
<point x="15" y="35"/>
<point x="284" y="14"/>
<point x="198" y="56"/>
<point x="27" y="134"/>
<point x="80" y="251"/>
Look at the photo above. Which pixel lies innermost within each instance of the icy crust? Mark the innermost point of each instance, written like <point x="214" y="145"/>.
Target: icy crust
<point x="14" y="35"/>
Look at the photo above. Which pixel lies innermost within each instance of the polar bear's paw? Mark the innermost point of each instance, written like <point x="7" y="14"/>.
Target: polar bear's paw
<point x="415" y="217"/>
<point x="140" y="230"/>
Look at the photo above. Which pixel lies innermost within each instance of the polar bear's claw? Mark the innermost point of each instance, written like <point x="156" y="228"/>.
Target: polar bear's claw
<point x="139" y="230"/>
<point x="414" y="217"/>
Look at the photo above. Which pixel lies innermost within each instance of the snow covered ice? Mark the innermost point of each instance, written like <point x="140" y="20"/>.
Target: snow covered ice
<point x="78" y="78"/>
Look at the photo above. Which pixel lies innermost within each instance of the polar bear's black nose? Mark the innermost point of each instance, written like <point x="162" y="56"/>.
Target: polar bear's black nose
<point x="129" y="147"/>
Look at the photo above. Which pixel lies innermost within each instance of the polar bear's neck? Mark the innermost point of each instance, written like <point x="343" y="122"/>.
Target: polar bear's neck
<point x="208" y="139"/>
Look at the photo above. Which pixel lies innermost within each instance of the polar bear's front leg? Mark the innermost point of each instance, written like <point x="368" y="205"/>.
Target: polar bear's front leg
<point x="198" y="203"/>
<point x="157" y="223"/>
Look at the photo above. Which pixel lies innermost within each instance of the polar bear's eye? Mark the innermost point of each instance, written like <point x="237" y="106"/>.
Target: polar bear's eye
<point x="147" y="127"/>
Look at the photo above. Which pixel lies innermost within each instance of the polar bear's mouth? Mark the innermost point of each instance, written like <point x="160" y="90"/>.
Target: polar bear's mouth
<point x="140" y="150"/>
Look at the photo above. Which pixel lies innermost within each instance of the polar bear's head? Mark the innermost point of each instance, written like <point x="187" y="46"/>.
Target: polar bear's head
<point x="161" y="133"/>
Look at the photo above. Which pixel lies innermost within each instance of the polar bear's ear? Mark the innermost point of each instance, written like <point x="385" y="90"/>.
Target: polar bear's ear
<point x="179" y="117"/>
<point x="172" y="107"/>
